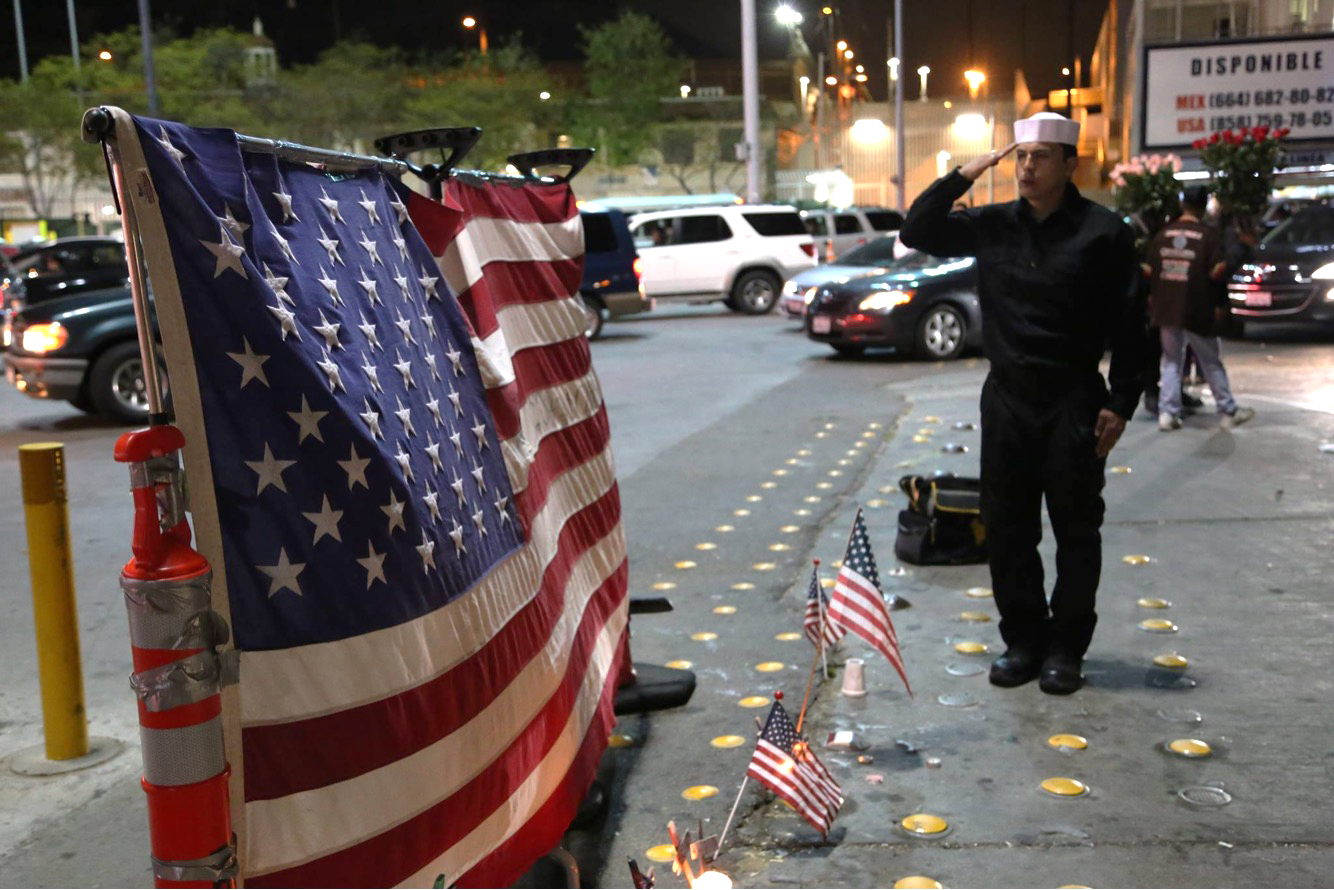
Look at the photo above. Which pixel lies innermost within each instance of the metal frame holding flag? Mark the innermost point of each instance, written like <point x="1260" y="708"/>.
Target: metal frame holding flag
<point x="401" y="475"/>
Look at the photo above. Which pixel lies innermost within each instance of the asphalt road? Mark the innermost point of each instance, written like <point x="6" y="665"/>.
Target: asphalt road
<point x="738" y="433"/>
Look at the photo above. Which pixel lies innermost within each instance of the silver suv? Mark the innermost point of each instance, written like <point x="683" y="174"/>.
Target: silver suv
<point x="739" y="254"/>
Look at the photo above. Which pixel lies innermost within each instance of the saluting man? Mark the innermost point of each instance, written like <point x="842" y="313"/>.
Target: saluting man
<point x="1057" y="283"/>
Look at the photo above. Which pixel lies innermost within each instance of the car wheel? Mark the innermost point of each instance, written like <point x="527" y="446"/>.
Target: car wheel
<point x="847" y="350"/>
<point x="755" y="292"/>
<point x="116" y="384"/>
<point x="593" y="317"/>
<point x="83" y="403"/>
<point x="941" y="333"/>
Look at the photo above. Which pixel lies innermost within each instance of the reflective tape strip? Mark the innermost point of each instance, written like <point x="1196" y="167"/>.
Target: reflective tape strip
<point x="161" y="612"/>
<point x="219" y="868"/>
<point x="183" y="756"/>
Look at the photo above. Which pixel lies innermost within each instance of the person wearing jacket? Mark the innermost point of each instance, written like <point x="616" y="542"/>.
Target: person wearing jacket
<point x="1057" y="279"/>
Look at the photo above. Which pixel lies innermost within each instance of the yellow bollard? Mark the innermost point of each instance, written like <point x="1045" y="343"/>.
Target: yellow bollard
<point x="60" y="669"/>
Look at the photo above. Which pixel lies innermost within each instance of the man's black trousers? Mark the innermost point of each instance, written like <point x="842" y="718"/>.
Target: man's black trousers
<point x="1037" y="441"/>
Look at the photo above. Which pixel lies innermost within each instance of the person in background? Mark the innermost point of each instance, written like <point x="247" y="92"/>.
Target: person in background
<point x="1058" y="277"/>
<point x="1187" y="303"/>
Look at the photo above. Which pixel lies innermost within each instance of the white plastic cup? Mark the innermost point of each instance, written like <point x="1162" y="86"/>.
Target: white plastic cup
<point x="854" y="678"/>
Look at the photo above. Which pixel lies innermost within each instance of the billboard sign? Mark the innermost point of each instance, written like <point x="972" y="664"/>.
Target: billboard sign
<point x="1192" y="90"/>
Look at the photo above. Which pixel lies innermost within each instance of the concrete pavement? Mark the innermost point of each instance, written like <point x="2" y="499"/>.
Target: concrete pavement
<point x="1237" y="528"/>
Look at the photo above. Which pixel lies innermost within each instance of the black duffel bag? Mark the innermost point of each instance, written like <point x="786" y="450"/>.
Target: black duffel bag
<point x="943" y="523"/>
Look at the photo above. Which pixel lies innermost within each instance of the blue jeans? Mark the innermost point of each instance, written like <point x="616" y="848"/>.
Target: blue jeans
<point x="1206" y="351"/>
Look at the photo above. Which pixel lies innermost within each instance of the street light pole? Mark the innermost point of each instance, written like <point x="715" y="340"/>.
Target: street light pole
<point x="899" y="161"/>
<point x="146" y="37"/>
<point x="23" y="42"/>
<point x="750" y="90"/>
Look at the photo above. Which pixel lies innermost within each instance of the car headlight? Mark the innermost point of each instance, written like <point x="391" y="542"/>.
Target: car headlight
<point x="41" y="338"/>
<point x="791" y="289"/>
<point x="1324" y="273"/>
<point x="885" y="300"/>
<point x="810" y="295"/>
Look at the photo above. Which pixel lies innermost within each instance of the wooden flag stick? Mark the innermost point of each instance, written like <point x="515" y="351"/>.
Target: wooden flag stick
<point x="810" y="681"/>
<point x="740" y="791"/>
<point x="819" y="605"/>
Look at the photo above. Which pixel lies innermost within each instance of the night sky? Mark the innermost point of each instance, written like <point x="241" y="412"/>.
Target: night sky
<point x="1005" y="34"/>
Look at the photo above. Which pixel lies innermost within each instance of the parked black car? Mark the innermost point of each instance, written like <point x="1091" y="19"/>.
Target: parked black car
<point x="71" y="266"/>
<point x="1290" y="274"/>
<point x="81" y="348"/>
<point x="921" y="303"/>
<point x="612" y="285"/>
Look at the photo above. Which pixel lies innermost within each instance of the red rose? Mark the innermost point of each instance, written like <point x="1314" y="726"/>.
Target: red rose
<point x="1213" y="139"/>
<point x="1228" y="137"/>
<point x="1259" y="133"/>
<point x="1198" y="144"/>
<point x="1281" y="132"/>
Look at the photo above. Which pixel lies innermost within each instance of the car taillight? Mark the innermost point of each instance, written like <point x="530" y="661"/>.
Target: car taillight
<point x="808" y="249"/>
<point x="638" y="267"/>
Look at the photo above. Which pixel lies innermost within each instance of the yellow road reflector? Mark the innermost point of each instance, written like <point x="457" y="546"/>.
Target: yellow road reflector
<point x="1158" y="625"/>
<point x="923" y="824"/>
<point x="931" y="418"/>
<point x="824" y="485"/>
<point x="780" y="472"/>
<point x="792" y="461"/>
<point x="704" y="636"/>
<point x="1074" y="887"/>
<point x="769" y="667"/>
<point x="664" y="585"/>
<point x="754" y="498"/>
<point x="801" y="511"/>
<point x="827" y="582"/>
<point x="1136" y="559"/>
<point x="917" y="882"/>
<point x="728" y="741"/>
<point x="680" y="664"/>
<point x="843" y="461"/>
<point x="788" y="637"/>
<point x="724" y="528"/>
<point x="1120" y="471"/>
<point x="1068" y="740"/>
<point x="769" y="483"/>
<point x="830" y="425"/>
<point x="754" y="701"/>
<point x="661" y="853"/>
<point x="877" y="503"/>
<point x="838" y="563"/>
<point x="706" y="545"/>
<point x="921" y="440"/>
<point x="874" y="426"/>
<point x="888" y="489"/>
<point x="789" y="529"/>
<point x="724" y="610"/>
<point x="1152" y="602"/>
<point x="978" y="593"/>
<point x="1170" y="660"/>
<point x="812" y="499"/>
<point x="741" y="512"/>
<point x="1190" y="747"/>
<point x="926" y="431"/>
<point x="779" y="548"/>
<point x="834" y="473"/>
<point x="699" y="792"/>
<point x="821" y="434"/>
<point x="764" y="566"/>
<point x="805" y="452"/>
<point x="743" y="585"/>
<point x="620" y="741"/>
<point x="1063" y="787"/>
<point x="858" y="444"/>
<point x="686" y="564"/>
<point x="976" y="617"/>
<point x="970" y="647"/>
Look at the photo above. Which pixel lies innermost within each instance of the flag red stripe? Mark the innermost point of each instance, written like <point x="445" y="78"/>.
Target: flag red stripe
<point x="285" y="758"/>
<point x="814" y="815"/>
<point x="544" y="829"/>
<point x="401" y="850"/>
<point x="534" y="371"/>
<point x="771" y="759"/>
<point x="562" y="451"/>
<point x="523" y="282"/>
<point x="533" y="203"/>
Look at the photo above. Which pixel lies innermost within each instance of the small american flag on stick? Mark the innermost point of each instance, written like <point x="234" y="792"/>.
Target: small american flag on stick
<point x="817" y="617"/>
<point x="858" y="605"/>
<point x="786" y="765"/>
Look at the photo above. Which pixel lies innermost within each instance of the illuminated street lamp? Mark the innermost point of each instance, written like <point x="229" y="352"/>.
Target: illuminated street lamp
<point x="841" y="45"/>
<point x="831" y="81"/>
<point x="847" y="54"/>
<point x="922" y="73"/>
<point x="685" y="91"/>
<point x="1065" y="72"/>
<point x="469" y="23"/>
<point x="105" y="55"/>
<point x="786" y="15"/>
<point x="544" y="95"/>
<point x="826" y="10"/>
<point x="975" y="80"/>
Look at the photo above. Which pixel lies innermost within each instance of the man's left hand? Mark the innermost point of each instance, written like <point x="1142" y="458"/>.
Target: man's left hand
<point x="1108" y="430"/>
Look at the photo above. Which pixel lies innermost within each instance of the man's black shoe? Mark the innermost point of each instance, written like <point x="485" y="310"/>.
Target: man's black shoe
<point x="1190" y="402"/>
<point x="1015" y="668"/>
<point x="1061" y="675"/>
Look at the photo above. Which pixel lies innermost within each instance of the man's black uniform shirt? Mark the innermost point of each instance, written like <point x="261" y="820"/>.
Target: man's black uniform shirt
<point x="1053" y="292"/>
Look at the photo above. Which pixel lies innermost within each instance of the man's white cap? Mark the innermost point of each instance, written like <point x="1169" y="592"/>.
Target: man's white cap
<point x="1046" y="126"/>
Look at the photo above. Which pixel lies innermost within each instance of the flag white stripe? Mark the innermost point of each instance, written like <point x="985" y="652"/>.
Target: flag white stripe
<point x="308" y="681"/>
<point x="494" y="360"/>
<point x="545" y="412"/>
<point x="293" y="829"/>
<point x="529" y="325"/>
<point x="778" y="784"/>
<point x="774" y="759"/>
<point x="490" y="239"/>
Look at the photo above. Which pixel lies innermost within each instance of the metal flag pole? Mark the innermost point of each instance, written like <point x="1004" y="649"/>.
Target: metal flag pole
<point x="819" y="600"/>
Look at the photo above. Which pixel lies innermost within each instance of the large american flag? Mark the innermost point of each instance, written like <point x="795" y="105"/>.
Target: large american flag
<point x="785" y="764"/>
<point x="822" y="632"/>
<point x="400" y="470"/>
<point x="858" y="605"/>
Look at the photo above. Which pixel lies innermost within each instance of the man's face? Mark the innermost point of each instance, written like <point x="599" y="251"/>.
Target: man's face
<point x="1042" y="169"/>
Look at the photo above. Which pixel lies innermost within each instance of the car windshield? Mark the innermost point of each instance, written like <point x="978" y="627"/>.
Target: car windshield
<point x="879" y="252"/>
<point x="917" y="260"/>
<point x="1314" y="225"/>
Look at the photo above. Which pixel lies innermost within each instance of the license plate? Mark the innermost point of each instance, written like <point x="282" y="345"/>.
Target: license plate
<point x="822" y="324"/>
<point x="1259" y="298"/>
